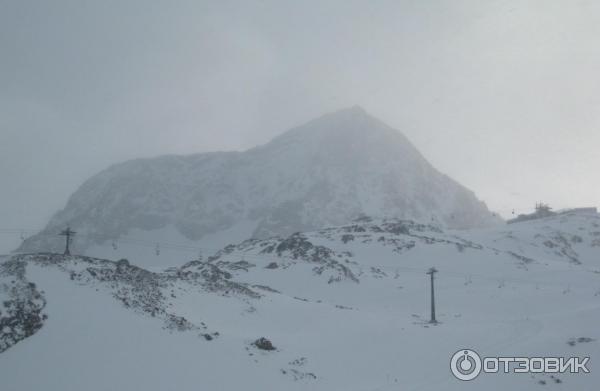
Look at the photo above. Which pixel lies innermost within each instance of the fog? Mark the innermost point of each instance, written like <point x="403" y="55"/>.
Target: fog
<point x="503" y="96"/>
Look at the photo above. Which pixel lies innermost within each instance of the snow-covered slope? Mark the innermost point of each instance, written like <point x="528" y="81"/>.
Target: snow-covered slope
<point x="326" y="172"/>
<point x="346" y="308"/>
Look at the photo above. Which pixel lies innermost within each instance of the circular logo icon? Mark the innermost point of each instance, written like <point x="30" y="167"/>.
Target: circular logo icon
<point x="465" y="364"/>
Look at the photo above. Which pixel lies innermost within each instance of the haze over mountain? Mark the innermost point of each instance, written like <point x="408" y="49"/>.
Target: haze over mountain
<point x="329" y="171"/>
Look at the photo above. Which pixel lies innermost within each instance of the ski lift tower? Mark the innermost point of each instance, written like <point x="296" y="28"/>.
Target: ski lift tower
<point x="431" y="272"/>
<point x="68" y="233"/>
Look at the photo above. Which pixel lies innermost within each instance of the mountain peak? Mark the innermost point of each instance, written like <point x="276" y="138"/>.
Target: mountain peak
<point x="351" y="124"/>
<point x="352" y="110"/>
<point x="355" y="112"/>
<point x="326" y="172"/>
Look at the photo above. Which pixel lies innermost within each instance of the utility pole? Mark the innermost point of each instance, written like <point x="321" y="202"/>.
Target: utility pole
<point x="431" y="272"/>
<point x="68" y="233"/>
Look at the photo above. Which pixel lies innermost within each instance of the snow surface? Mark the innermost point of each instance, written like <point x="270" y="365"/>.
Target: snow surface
<point x="346" y="307"/>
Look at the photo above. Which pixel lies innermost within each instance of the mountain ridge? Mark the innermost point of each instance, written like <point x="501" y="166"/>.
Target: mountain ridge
<point x="328" y="171"/>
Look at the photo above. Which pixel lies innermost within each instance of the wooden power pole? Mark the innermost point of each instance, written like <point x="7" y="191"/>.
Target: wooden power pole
<point x="431" y="272"/>
<point x="68" y="233"/>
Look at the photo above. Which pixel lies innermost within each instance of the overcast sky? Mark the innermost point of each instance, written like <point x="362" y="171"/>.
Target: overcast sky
<point x="503" y="96"/>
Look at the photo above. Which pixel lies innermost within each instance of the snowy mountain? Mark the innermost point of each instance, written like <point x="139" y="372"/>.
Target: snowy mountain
<point x="327" y="172"/>
<point x="345" y="308"/>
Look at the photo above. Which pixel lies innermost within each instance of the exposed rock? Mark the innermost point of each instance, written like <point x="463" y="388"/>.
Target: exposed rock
<point x="263" y="344"/>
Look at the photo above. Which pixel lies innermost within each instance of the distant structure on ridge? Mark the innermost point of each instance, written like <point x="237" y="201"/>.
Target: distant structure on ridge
<point x="544" y="210"/>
